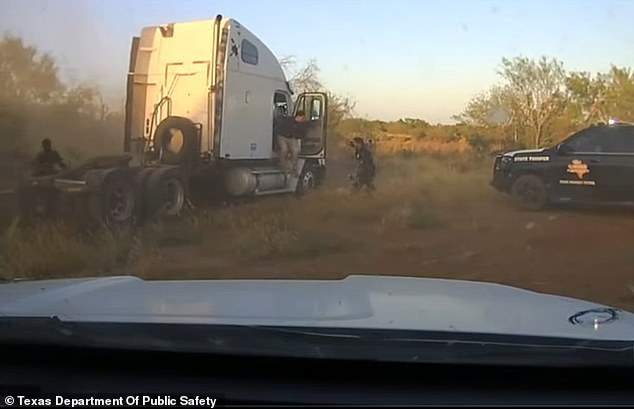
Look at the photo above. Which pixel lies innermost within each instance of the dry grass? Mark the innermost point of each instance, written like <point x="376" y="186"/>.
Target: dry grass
<point x="57" y="249"/>
<point x="415" y="193"/>
<point x="392" y="144"/>
<point x="261" y="230"/>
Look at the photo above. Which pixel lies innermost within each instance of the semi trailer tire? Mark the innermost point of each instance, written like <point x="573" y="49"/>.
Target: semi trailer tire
<point x="112" y="200"/>
<point x="140" y="183"/>
<point x="165" y="193"/>
<point x="140" y="180"/>
<point x="176" y="139"/>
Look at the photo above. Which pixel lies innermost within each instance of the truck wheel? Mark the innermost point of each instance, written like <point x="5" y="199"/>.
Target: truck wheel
<point x="165" y="193"/>
<point x="176" y="139"/>
<point x="307" y="180"/>
<point x="113" y="199"/>
<point x="529" y="192"/>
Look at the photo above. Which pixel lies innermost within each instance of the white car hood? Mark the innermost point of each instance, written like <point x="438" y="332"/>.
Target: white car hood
<point x="355" y="302"/>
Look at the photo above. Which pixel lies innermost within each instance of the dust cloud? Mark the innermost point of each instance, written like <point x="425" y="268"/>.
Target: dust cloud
<point x="59" y="81"/>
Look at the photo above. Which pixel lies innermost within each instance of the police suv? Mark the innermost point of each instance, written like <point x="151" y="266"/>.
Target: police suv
<point x="595" y="164"/>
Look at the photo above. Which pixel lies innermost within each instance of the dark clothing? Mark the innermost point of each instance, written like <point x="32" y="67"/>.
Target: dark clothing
<point x="365" y="162"/>
<point x="366" y="169"/>
<point x="287" y="126"/>
<point x="283" y="126"/>
<point x="46" y="161"/>
<point x="299" y="129"/>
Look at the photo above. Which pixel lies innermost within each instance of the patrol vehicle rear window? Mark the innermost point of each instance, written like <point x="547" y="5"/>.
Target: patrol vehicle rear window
<point x="589" y="140"/>
<point x="249" y="53"/>
<point x="606" y="140"/>
<point x="623" y="139"/>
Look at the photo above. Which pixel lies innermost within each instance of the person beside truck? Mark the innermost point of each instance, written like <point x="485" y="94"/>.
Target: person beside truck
<point x="289" y="131"/>
<point x="366" y="168"/>
<point x="48" y="160"/>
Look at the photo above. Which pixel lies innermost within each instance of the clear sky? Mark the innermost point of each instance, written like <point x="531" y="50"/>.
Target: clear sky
<point x="396" y="58"/>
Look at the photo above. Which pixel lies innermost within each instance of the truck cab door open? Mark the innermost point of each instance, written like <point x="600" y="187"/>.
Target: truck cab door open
<point x="315" y="107"/>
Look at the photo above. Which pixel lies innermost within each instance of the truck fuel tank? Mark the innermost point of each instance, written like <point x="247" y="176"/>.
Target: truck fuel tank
<point x="247" y="181"/>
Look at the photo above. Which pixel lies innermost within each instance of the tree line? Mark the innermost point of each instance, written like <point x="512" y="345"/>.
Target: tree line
<point x="536" y="102"/>
<point x="539" y="102"/>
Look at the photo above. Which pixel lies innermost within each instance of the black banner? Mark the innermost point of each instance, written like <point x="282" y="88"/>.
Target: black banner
<point x="73" y="400"/>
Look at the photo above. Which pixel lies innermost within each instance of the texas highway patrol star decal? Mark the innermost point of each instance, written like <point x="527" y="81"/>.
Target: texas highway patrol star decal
<point x="579" y="168"/>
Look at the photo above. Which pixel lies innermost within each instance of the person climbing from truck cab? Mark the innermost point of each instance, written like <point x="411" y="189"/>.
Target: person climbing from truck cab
<point x="366" y="170"/>
<point x="47" y="160"/>
<point x="283" y="131"/>
<point x="299" y="133"/>
<point x="289" y="132"/>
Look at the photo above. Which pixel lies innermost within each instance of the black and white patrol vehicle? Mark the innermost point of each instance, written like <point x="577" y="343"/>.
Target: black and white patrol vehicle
<point x="595" y="164"/>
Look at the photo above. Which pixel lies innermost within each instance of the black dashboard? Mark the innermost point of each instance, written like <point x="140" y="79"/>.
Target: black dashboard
<point x="239" y="380"/>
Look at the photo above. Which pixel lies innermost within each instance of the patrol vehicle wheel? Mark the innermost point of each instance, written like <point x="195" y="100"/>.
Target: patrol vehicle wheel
<point x="529" y="192"/>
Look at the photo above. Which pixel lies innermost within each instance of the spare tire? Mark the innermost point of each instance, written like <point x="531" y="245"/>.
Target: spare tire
<point x="113" y="199"/>
<point x="165" y="193"/>
<point x="176" y="139"/>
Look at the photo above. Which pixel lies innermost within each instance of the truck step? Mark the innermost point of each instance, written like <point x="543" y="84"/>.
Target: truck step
<point x="273" y="192"/>
<point x="266" y="171"/>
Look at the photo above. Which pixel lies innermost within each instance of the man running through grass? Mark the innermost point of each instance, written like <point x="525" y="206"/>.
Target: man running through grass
<point x="366" y="170"/>
<point x="48" y="161"/>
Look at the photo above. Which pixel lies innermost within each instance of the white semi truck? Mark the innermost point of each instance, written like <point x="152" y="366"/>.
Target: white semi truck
<point x="201" y="102"/>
